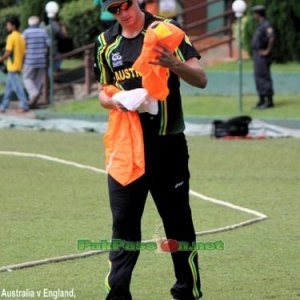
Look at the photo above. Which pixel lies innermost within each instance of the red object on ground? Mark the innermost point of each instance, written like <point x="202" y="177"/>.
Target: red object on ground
<point x="169" y="245"/>
<point x="248" y="137"/>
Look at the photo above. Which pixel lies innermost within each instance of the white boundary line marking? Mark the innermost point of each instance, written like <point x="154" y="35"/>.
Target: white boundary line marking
<point x="259" y="216"/>
<point x="54" y="159"/>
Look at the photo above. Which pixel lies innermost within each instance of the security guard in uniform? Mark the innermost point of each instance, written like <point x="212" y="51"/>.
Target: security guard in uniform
<point x="262" y="43"/>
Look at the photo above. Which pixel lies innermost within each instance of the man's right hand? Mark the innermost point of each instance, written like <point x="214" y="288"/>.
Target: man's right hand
<point x="121" y="107"/>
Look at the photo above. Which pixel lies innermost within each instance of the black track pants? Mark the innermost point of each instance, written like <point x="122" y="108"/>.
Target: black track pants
<point x="167" y="179"/>
<point x="262" y="74"/>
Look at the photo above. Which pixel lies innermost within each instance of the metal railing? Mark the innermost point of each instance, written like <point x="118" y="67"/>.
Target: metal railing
<point x="85" y="71"/>
<point x="88" y="62"/>
<point x="225" y="30"/>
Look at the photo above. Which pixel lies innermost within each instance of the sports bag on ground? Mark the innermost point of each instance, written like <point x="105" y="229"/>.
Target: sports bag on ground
<point x="237" y="126"/>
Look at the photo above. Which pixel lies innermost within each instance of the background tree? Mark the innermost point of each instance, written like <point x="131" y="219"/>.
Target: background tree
<point x="82" y="21"/>
<point x="30" y="8"/>
<point x="37" y="8"/>
<point x="284" y="15"/>
<point x="7" y="3"/>
<point x="6" y="13"/>
<point x="80" y="17"/>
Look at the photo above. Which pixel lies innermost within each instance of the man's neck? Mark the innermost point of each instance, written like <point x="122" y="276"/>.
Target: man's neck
<point x="133" y="31"/>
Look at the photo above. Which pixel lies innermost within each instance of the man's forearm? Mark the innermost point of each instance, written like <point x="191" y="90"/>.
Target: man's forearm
<point x="192" y="74"/>
<point x="270" y="45"/>
<point x="267" y="51"/>
<point x="5" y="56"/>
<point x="104" y="100"/>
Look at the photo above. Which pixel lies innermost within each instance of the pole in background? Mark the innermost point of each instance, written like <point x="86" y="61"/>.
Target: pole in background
<point x="51" y="64"/>
<point x="239" y="7"/>
<point x="240" y="66"/>
<point x="51" y="9"/>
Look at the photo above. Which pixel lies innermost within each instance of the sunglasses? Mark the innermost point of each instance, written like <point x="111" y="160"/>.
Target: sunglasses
<point x="116" y="10"/>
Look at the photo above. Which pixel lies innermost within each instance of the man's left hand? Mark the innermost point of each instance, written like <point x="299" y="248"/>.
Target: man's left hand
<point x="263" y="52"/>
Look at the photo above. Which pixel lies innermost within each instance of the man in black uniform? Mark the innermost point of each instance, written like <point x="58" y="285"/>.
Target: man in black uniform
<point x="262" y="43"/>
<point x="166" y="154"/>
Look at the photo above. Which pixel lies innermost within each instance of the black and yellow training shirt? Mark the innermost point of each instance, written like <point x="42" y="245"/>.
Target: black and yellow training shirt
<point x="114" y="57"/>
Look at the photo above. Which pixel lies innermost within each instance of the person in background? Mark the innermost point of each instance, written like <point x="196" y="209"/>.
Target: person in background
<point x="61" y="40"/>
<point x="262" y="44"/>
<point x="34" y="71"/>
<point x="151" y="6"/>
<point x="142" y="4"/>
<point x="107" y="19"/>
<point x="14" y="54"/>
<point x="60" y="33"/>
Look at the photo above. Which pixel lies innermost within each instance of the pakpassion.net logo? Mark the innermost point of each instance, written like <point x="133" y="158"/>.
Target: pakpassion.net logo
<point x="167" y="245"/>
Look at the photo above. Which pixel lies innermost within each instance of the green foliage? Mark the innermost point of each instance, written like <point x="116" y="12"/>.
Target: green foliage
<point x="287" y="106"/>
<point x="30" y="8"/>
<point x="285" y="18"/>
<point x="248" y="31"/>
<point x="80" y="16"/>
<point x="7" y="3"/>
<point x="37" y="8"/>
<point x="82" y="21"/>
<point x="46" y="207"/>
<point x="4" y="15"/>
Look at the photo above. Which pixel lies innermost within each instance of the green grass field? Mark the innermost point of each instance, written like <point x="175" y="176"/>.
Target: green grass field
<point x="227" y="66"/>
<point x="293" y="67"/>
<point x="46" y="207"/>
<point x="286" y="107"/>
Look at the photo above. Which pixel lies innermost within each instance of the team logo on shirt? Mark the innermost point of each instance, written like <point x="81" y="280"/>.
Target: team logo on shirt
<point x="117" y="59"/>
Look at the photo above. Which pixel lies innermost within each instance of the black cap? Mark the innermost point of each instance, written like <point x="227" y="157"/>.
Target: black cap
<point x="258" y="8"/>
<point x="108" y="3"/>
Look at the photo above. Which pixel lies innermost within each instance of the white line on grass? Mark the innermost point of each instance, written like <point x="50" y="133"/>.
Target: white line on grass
<point x="258" y="215"/>
<point x="54" y="159"/>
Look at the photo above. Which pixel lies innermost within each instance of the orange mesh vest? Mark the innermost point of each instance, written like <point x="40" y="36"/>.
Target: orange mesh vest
<point x="124" y="144"/>
<point x="155" y="78"/>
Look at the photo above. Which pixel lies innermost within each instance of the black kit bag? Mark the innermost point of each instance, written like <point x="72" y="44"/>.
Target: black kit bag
<point x="237" y="126"/>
